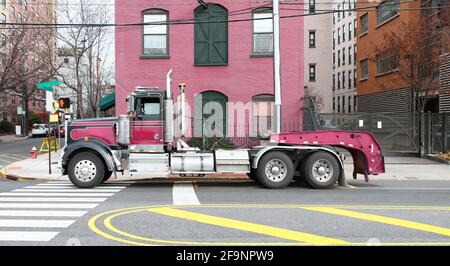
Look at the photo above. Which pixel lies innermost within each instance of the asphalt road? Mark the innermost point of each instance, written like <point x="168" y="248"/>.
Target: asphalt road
<point x="225" y="213"/>
<point x="11" y="152"/>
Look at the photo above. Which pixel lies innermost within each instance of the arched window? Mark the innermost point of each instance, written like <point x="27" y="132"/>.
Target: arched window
<point x="263" y="32"/>
<point x="263" y="114"/>
<point x="155" y="39"/>
<point x="211" y="35"/>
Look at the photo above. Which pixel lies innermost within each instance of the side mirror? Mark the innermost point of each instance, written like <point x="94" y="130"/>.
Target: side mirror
<point x="130" y="104"/>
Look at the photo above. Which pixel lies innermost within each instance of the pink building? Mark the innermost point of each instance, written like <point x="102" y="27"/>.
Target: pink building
<point x="223" y="51"/>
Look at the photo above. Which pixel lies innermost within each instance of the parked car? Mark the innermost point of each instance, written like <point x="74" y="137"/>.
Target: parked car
<point x="58" y="131"/>
<point x="40" y="130"/>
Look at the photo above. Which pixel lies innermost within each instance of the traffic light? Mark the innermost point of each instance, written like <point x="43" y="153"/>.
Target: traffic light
<point x="64" y="103"/>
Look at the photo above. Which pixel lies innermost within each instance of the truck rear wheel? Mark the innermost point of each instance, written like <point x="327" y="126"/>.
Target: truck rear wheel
<point x="321" y="170"/>
<point x="275" y="170"/>
<point x="86" y="170"/>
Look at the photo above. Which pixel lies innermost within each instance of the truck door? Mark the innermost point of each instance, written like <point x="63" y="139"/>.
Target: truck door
<point x="147" y="124"/>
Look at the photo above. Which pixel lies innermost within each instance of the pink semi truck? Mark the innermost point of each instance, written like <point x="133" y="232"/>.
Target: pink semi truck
<point x="142" y="143"/>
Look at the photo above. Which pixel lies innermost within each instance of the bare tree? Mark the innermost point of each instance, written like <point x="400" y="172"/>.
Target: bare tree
<point x="316" y="99"/>
<point x="81" y="39"/>
<point x="413" y="52"/>
<point x="28" y="59"/>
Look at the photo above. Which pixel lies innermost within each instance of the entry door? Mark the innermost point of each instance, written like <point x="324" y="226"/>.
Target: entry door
<point x="214" y="114"/>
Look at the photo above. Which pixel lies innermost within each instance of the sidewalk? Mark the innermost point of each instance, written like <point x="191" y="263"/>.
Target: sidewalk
<point x="397" y="168"/>
<point x="10" y="138"/>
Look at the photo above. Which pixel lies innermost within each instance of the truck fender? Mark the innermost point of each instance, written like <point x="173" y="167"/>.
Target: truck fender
<point x="101" y="148"/>
<point x="265" y="150"/>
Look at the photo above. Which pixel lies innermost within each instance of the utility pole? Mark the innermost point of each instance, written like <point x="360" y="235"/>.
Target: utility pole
<point x="276" y="63"/>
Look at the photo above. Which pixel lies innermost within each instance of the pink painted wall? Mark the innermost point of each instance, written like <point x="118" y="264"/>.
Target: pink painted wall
<point x="243" y="78"/>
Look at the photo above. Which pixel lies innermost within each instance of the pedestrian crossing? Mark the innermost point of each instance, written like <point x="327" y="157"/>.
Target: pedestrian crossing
<point x="39" y="212"/>
<point x="9" y="158"/>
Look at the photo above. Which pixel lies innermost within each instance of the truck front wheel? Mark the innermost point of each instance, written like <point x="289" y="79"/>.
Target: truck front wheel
<point x="275" y="170"/>
<point x="321" y="170"/>
<point x="86" y="170"/>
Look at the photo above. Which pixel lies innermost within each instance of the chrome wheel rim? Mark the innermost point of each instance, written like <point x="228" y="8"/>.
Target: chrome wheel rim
<point x="85" y="170"/>
<point x="322" y="170"/>
<point x="276" y="170"/>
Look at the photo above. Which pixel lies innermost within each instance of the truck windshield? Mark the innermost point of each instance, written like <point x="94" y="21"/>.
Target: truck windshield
<point x="148" y="108"/>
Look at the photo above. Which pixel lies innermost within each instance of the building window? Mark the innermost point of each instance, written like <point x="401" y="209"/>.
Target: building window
<point x="343" y="9"/>
<point x="343" y="104"/>
<point x="312" y="39"/>
<point x="339" y="58"/>
<point x="339" y="81"/>
<point x="350" y="80"/>
<point x="339" y="35"/>
<point x="387" y="10"/>
<point x="364" y="24"/>
<point x="355" y="77"/>
<point x="354" y="103"/>
<point x="354" y="54"/>
<point x="334" y="104"/>
<point x="354" y="28"/>
<point x="263" y="32"/>
<point x="155" y="39"/>
<point x="387" y="62"/>
<point x="211" y="35"/>
<point x="339" y="104"/>
<point x="263" y="113"/>
<point x="312" y="72"/>
<point x="349" y="31"/>
<point x="312" y="6"/>
<point x="343" y="79"/>
<point x="2" y="18"/>
<point x="364" y="69"/>
<point x="349" y="104"/>
<point x="343" y="56"/>
<point x="343" y="33"/>
<point x="350" y="55"/>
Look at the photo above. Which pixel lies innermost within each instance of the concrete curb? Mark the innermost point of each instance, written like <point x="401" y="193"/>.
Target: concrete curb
<point x="439" y="160"/>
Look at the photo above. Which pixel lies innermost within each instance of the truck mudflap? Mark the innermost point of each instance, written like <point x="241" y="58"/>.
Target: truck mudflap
<point x="367" y="155"/>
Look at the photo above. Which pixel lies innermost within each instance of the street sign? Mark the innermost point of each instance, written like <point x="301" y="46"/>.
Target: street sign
<point x="19" y="110"/>
<point x="48" y="85"/>
<point x="48" y="101"/>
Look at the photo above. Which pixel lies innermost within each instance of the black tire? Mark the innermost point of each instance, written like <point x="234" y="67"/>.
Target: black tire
<point x="107" y="175"/>
<point x="91" y="159"/>
<point x="331" y="167"/>
<point x="287" y="170"/>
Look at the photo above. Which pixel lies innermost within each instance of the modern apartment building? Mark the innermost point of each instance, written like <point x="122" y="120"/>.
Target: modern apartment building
<point x="381" y="87"/>
<point x="318" y="55"/>
<point x="344" y="49"/>
<point x="26" y="11"/>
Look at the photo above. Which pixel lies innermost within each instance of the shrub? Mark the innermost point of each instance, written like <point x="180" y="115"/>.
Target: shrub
<point x="6" y="126"/>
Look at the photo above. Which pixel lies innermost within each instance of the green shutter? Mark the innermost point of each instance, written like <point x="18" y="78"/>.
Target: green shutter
<point x="211" y="39"/>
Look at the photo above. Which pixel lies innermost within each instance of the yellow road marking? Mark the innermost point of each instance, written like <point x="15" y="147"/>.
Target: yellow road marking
<point x="383" y="219"/>
<point x="108" y="224"/>
<point x="250" y="227"/>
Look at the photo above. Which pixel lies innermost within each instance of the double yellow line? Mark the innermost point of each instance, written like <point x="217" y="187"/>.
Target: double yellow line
<point x="293" y="237"/>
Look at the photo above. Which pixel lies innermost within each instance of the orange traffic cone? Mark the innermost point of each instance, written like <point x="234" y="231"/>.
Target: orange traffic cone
<point x="34" y="153"/>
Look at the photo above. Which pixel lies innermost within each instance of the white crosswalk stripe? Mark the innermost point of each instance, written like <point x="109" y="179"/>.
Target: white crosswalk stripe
<point x="46" y="208"/>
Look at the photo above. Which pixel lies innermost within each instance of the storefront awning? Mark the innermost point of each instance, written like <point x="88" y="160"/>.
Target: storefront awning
<point x="108" y="101"/>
